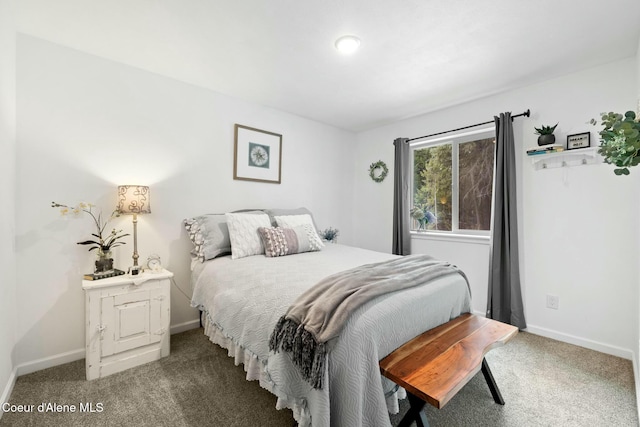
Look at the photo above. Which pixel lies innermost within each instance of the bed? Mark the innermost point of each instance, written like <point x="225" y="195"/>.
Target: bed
<point x="242" y="299"/>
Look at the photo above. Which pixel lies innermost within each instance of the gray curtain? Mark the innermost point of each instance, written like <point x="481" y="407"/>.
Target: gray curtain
<point x="504" y="302"/>
<point x="401" y="235"/>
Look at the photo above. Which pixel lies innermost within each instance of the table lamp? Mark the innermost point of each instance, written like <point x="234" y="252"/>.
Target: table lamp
<point x="134" y="200"/>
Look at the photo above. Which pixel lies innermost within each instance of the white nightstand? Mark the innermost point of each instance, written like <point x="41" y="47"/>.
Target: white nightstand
<point x="127" y="321"/>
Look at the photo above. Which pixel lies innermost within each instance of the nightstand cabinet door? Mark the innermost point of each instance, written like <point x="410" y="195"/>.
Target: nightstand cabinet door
<point x="131" y="320"/>
<point x="127" y="322"/>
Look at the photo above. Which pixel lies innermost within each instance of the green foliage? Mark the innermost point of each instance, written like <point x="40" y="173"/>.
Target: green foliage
<point x="433" y="184"/>
<point x="330" y="234"/>
<point x="545" y="130"/>
<point x="378" y="171"/>
<point x="432" y="192"/>
<point x="620" y="140"/>
<point x="417" y="213"/>
<point x="102" y="241"/>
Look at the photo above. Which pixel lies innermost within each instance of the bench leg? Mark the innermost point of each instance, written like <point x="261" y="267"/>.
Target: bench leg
<point x="491" y="382"/>
<point x="415" y="413"/>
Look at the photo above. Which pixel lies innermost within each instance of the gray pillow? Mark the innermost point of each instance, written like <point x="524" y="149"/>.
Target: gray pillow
<point x="209" y="235"/>
<point x="281" y="212"/>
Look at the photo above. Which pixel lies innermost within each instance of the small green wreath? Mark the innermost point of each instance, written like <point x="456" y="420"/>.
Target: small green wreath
<point x="373" y="171"/>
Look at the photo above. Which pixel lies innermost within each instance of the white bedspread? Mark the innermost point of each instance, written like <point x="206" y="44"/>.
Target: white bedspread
<point x="244" y="298"/>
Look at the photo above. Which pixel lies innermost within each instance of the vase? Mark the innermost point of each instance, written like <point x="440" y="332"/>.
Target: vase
<point x="546" y="139"/>
<point x="104" y="262"/>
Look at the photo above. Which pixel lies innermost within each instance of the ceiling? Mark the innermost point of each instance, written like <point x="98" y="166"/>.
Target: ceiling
<point x="416" y="56"/>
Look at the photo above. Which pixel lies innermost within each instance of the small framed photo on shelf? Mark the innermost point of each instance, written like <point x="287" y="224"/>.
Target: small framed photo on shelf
<point x="579" y="140"/>
<point x="257" y="155"/>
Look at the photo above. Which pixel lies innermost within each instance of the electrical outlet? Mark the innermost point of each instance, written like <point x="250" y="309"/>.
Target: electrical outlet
<point x="553" y="301"/>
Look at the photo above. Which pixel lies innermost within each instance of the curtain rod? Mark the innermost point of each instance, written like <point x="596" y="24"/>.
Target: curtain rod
<point x="526" y="114"/>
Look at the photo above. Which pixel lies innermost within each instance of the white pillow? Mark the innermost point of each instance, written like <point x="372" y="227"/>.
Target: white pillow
<point x="291" y="221"/>
<point x="243" y="233"/>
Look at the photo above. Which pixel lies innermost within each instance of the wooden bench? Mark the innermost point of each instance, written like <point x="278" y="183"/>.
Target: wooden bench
<point x="434" y="366"/>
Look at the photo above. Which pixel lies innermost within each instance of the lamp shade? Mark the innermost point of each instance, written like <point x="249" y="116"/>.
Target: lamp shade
<point x="133" y="199"/>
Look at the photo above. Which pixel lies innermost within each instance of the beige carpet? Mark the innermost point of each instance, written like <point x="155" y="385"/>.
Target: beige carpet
<point x="544" y="383"/>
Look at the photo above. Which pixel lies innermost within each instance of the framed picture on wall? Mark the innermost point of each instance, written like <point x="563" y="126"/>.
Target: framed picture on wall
<point x="257" y="155"/>
<point x="578" y="140"/>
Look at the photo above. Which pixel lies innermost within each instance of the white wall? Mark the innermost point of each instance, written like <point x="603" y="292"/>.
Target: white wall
<point x="586" y="240"/>
<point x="86" y="124"/>
<point x="578" y="225"/>
<point x="7" y="195"/>
<point x="636" y="367"/>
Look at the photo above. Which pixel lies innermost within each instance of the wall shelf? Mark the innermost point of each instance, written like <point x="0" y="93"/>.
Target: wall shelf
<point x="577" y="157"/>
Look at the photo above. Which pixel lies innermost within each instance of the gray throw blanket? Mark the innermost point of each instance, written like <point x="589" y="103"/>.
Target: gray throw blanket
<point x="320" y="313"/>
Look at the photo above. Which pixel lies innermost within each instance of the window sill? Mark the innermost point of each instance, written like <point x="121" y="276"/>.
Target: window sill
<point x="450" y="237"/>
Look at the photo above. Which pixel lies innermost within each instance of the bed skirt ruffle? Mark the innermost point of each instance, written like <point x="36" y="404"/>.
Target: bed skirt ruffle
<point x="256" y="371"/>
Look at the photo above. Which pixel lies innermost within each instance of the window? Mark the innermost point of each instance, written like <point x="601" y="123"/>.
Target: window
<point x="453" y="183"/>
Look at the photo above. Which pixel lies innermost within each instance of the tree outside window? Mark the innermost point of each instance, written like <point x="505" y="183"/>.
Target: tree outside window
<point x="453" y="183"/>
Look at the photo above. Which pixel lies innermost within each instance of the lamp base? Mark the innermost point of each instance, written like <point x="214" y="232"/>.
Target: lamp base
<point x="135" y="241"/>
<point x="135" y="270"/>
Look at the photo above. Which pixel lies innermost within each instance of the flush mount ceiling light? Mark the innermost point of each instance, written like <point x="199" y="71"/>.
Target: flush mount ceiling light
<point x="347" y="44"/>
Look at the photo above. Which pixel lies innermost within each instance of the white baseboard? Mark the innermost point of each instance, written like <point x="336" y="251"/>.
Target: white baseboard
<point x="8" y="388"/>
<point x="72" y="356"/>
<point x="50" y="362"/>
<point x="181" y="327"/>
<point x="582" y="342"/>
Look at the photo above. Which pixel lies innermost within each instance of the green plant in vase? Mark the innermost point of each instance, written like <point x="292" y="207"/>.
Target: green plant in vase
<point x="103" y="242"/>
<point x="330" y="235"/>
<point x="546" y="134"/>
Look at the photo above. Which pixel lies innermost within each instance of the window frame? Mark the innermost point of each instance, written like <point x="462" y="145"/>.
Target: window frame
<point x="455" y="140"/>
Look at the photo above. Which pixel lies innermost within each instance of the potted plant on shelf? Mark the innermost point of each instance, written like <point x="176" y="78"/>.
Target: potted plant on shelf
<point x="620" y="140"/>
<point x="546" y="134"/>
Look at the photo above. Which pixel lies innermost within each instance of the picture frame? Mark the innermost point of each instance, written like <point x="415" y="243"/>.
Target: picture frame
<point x="257" y="155"/>
<point x="579" y="140"/>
